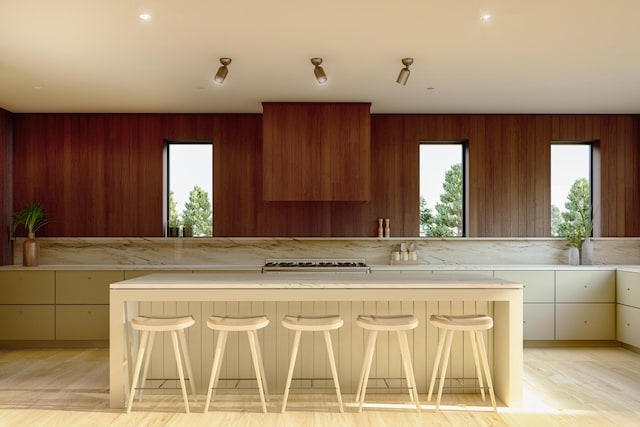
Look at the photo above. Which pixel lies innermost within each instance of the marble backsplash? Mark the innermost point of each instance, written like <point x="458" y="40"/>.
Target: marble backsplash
<point x="253" y="251"/>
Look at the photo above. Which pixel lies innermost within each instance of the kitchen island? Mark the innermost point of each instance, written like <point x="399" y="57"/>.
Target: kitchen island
<point x="349" y="294"/>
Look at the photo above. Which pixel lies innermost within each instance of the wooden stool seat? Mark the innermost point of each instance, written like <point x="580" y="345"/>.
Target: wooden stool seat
<point x="227" y="324"/>
<point x="149" y="326"/>
<point x="322" y="324"/>
<point x="473" y="324"/>
<point x="400" y="324"/>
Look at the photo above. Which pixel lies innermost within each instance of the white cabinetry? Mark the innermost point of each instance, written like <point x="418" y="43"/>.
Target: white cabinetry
<point x="628" y="307"/>
<point x="585" y="304"/>
<point x="539" y="298"/>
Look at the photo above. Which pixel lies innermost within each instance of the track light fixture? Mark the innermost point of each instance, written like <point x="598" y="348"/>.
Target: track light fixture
<point x="404" y="73"/>
<point x="318" y="71"/>
<point x="222" y="71"/>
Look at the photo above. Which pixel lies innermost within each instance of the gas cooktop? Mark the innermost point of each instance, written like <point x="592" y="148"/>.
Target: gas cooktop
<point x="316" y="265"/>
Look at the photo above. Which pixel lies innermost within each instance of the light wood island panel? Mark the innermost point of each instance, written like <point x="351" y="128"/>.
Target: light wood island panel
<point x="348" y="295"/>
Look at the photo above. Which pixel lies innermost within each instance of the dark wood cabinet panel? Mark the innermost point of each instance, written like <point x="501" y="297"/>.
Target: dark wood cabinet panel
<point x="316" y="151"/>
<point x="6" y="186"/>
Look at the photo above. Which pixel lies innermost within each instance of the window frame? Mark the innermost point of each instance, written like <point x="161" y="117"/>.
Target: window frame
<point x="594" y="181"/>
<point x="166" y="179"/>
<point x="464" y="145"/>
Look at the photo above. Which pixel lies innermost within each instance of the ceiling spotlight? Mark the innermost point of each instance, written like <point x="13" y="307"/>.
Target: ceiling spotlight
<point x="404" y="73"/>
<point x="222" y="71"/>
<point x="318" y="71"/>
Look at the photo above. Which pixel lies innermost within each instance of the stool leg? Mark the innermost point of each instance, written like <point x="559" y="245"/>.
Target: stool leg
<point x="215" y="367"/>
<point x="483" y="355"/>
<point x="253" y="338"/>
<point x="264" y="377"/>
<point x="366" y="368"/>
<point x="147" y="358"/>
<point x="445" y="363"/>
<point x="408" y="368"/>
<point x="474" y="347"/>
<point x="441" y="339"/>
<point x="292" y="364"/>
<point x="176" y="350"/>
<point x="136" y="373"/>
<point x="187" y="362"/>
<point x="334" y="371"/>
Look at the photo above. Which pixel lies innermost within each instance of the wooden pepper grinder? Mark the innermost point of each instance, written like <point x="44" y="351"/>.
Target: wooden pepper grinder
<point x="387" y="229"/>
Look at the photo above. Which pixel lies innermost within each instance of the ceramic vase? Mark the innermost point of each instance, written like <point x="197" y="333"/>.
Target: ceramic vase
<point x="574" y="256"/>
<point x="31" y="251"/>
<point x="587" y="252"/>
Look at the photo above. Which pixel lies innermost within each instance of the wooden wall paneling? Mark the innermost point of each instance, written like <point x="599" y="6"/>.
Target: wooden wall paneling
<point x="477" y="183"/>
<point x="395" y="173"/>
<point x="237" y="175"/>
<point x="539" y="189"/>
<point x="6" y="187"/>
<point x="632" y="187"/>
<point x="101" y="174"/>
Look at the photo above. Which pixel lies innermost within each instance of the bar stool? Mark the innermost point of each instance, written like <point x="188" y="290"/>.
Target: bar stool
<point x="149" y="326"/>
<point x="401" y="324"/>
<point x="224" y="325"/>
<point x="322" y="324"/>
<point x="474" y="324"/>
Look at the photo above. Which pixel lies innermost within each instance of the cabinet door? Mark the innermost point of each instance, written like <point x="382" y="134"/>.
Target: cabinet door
<point x="586" y="286"/>
<point x="27" y="287"/>
<point x="538" y="322"/>
<point x="585" y="321"/>
<point x="27" y="322"/>
<point x="628" y="325"/>
<point x="85" y="287"/>
<point x="539" y="285"/>
<point x="628" y="288"/>
<point x="82" y="322"/>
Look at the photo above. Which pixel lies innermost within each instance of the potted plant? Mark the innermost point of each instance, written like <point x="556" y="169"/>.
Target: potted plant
<point x="187" y="228"/>
<point x="174" y="227"/>
<point x="32" y="218"/>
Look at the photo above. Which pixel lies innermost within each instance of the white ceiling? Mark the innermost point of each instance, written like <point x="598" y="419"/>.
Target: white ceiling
<point x="534" y="56"/>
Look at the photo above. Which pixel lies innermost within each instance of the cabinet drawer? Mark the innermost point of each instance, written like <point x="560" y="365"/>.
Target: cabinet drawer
<point x="27" y="322"/>
<point x="85" y="287"/>
<point x="27" y="287"/>
<point x="539" y="286"/>
<point x="628" y="325"/>
<point x="585" y="286"/>
<point x="628" y="288"/>
<point x="585" y="321"/>
<point x="539" y="322"/>
<point x="82" y="322"/>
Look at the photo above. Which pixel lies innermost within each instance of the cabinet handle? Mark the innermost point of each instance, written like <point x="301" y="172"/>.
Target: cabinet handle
<point x="585" y="322"/>
<point x="628" y="324"/>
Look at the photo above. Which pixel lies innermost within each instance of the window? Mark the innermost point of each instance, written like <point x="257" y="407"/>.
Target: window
<point x="189" y="186"/>
<point x="572" y="188"/>
<point x="442" y="188"/>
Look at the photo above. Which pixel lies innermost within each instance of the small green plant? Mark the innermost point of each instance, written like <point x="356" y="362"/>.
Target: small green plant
<point x="32" y="218"/>
<point x="174" y="221"/>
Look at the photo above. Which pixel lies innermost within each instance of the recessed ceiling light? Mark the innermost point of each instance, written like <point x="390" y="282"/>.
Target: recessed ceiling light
<point x="485" y="18"/>
<point x="145" y="16"/>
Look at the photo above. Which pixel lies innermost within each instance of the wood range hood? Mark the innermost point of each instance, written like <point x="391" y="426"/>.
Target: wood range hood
<point x="316" y="151"/>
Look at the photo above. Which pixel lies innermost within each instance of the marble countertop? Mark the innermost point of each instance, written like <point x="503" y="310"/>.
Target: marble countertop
<point x="310" y="281"/>
<point x="374" y="268"/>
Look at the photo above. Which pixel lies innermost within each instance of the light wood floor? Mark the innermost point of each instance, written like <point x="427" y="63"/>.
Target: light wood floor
<point x="563" y="387"/>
